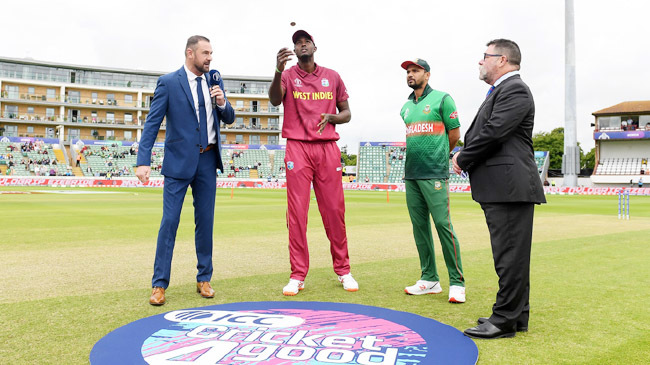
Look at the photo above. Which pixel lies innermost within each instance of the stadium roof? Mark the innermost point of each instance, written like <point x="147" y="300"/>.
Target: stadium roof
<point x="29" y="61"/>
<point x="626" y="107"/>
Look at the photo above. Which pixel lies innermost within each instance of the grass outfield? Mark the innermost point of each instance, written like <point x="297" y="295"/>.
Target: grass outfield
<point x="73" y="267"/>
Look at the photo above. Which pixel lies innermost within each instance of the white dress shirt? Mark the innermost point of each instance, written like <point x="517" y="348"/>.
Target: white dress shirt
<point x="191" y="78"/>
<point x="505" y="76"/>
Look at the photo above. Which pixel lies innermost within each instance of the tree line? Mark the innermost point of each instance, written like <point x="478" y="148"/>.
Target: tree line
<point x="553" y="142"/>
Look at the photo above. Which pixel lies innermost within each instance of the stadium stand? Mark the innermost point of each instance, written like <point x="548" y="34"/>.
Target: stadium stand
<point x="113" y="160"/>
<point x="32" y="159"/>
<point x="121" y="161"/>
<point x="396" y="160"/>
<point x="622" y="166"/>
<point x="385" y="164"/>
<point x="376" y="163"/>
<point x="456" y="179"/>
<point x="246" y="163"/>
<point x="372" y="162"/>
<point x="278" y="164"/>
<point x="543" y="161"/>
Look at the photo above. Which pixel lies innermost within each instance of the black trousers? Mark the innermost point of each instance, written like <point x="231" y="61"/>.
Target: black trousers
<point x="511" y="233"/>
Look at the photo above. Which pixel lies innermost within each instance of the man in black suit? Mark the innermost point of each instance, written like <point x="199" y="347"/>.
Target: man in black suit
<point x="499" y="157"/>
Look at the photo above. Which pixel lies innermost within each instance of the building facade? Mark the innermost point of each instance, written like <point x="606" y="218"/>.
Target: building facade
<point x="622" y="136"/>
<point x="51" y="100"/>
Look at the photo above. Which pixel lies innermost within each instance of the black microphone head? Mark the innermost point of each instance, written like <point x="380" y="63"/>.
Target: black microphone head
<point x="215" y="76"/>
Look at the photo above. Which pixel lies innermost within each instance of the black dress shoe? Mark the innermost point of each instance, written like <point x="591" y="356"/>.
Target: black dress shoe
<point x="487" y="331"/>
<point x="520" y="327"/>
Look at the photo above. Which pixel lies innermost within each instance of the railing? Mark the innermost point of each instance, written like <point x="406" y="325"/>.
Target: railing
<point x="11" y="95"/>
<point x="233" y="89"/>
<point x="258" y="109"/>
<point x="245" y="127"/>
<point x="31" y="97"/>
<point x="108" y="102"/>
<point x="32" y="117"/>
<point x="101" y="138"/>
<point x="80" y="100"/>
<point x="59" y="119"/>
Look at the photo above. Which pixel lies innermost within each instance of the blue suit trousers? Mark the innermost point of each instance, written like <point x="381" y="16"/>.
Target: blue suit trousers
<point x="203" y="185"/>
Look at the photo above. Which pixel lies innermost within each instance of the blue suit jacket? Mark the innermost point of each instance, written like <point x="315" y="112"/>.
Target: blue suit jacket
<point x="173" y="100"/>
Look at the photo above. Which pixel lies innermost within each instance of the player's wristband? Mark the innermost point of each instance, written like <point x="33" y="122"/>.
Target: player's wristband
<point x="278" y="71"/>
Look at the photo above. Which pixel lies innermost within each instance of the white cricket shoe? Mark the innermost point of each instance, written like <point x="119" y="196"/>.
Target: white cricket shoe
<point x="349" y="283"/>
<point x="293" y="287"/>
<point x="456" y="294"/>
<point x="424" y="287"/>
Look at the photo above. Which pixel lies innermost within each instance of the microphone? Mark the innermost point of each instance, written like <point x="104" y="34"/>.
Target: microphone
<point x="215" y="79"/>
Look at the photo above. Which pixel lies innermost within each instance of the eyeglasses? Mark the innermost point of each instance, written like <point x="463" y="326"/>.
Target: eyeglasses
<point x="486" y="55"/>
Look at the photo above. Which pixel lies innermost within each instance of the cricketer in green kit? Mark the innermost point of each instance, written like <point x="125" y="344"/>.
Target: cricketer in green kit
<point x="432" y="130"/>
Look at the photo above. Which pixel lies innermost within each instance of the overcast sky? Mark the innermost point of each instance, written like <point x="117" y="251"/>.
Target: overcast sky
<point x="365" y="41"/>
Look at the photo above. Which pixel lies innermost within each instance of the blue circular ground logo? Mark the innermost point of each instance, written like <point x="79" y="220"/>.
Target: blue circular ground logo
<point x="285" y="333"/>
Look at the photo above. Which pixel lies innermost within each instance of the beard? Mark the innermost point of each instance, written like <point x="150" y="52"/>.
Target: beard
<point x="415" y="85"/>
<point x="482" y="74"/>
<point x="202" y="67"/>
<point x="305" y="57"/>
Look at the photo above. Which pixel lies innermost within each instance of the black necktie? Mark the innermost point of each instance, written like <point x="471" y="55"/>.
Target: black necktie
<point x="203" y="117"/>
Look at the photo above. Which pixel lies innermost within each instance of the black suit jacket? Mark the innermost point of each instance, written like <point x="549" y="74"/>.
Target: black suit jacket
<point x="498" y="152"/>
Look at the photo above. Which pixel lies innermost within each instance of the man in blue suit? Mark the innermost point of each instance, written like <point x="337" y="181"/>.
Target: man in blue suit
<point x="192" y="157"/>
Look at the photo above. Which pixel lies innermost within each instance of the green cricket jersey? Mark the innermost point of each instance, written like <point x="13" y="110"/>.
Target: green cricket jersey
<point x="427" y="141"/>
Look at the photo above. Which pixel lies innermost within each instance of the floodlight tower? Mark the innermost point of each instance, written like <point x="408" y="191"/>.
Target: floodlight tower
<point x="571" y="157"/>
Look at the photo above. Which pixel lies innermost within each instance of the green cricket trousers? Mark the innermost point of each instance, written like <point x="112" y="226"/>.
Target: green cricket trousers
<point x="431" y="197"/>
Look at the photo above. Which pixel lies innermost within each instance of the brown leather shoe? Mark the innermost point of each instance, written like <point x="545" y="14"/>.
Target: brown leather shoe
<point x="204" y="288"/>
<point x="157" y="296"/>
